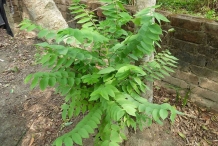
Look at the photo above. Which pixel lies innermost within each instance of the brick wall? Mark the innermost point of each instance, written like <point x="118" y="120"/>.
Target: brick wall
<point x="194" y="42"/>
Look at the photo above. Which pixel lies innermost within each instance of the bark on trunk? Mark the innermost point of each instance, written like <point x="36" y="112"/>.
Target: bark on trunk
<point x="45" y="13"/>
<point x="141" y="4"/>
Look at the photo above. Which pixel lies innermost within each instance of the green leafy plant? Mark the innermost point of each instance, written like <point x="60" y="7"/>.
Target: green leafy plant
<point x="179" y="97"/>
<point x="211" y="14"/>
<point x="203" y="8"/>
<point x="94" y="69"/>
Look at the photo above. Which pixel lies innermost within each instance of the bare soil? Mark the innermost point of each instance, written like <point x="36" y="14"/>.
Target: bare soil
<point x="33" y="118"/>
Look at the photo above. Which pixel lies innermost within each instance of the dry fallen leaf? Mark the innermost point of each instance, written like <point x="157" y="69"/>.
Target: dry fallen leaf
<point x="31" y="141"/>
<point x="182" y="135"/>
<point x="204" y="127"/>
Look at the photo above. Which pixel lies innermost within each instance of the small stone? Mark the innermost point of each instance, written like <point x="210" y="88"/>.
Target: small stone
<point x="48" y="132"/>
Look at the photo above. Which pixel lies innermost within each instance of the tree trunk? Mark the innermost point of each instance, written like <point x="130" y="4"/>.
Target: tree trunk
<point x="45" y="13"/>
<point x="141" y="138"/>
<point x="141" y="4"/>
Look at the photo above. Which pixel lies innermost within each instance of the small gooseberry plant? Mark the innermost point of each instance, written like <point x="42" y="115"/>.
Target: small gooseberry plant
<point x="94" y="69"/>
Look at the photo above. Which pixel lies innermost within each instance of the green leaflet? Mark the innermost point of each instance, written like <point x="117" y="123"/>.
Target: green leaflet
<point x="115" y="137"/>
<point x="77" y="138"/>
<point x="163" y="114"/>
<point x="43" y="33"/>
<point x="90" y="79"/>
<point x="80" y="16"/>
<point x="105" y="143"/>
<point x="106" y="70"/>
<point x="83" y="133"/>
<point x="130" y="109"/>
<point x="43" y="83"/>
<point x="24" y="25"/>
<point x="68" y="141"/>
<point x="89" y="129"/>
<point x="45" y="58"/>
<point x="58" y="142"/>
<point x="28" y="78"/>
<point x="50" y="35"/>
<point x="160" y="18"/>
<point x="34" y="82"/>
<point x="31" y="27"/>
<point x="155" y="29"/>
<point x="173" y="114"/>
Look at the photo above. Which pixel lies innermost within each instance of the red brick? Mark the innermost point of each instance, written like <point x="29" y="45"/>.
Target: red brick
<point x="176" y="82"/>
<point x="186" y="22"/>
<point x="204" y="102"/>
<point x="188" y="77"/>
<point x="208" y="84"/>
<point x="204" y="93"/>
<point x="211" y="27"/>
<point x="190" y="36"/>
<point x="204" y="72"/>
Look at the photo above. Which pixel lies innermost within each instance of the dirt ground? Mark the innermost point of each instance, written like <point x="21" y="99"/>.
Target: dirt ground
<point x="33" y="118"/>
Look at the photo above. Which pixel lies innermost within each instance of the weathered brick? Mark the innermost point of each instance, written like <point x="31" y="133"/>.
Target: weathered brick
<point x="183" y="66"/>
<point x="204" y="72"/>
<point x="200" y="71"/>
<point x="169" y="87"/>
<point x="211" y="27"/>
<point x="199" y="60"/>
<point x="183" y="56"/>
<point x="176" y="82"/>
<point x="186" y="76"/>
<point x="183" y="46"/>
<point x="212" y="40"/>
<point x="186" y="22"/>
<point x="208" y="51"/>
<point x="213" y="76"/>
<point x="208" y="84"/>
<point x="204" y="102"/>
<point x="213" y="64"/>
<point x="190" y="36"/>
<point x="198" y="99"/>
<point x="204" y="93"/>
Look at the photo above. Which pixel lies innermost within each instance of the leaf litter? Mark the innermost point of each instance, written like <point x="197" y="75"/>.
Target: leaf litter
<point x="199" y="125"/>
